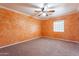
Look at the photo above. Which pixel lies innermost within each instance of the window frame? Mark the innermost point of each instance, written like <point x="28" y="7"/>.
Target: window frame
<point x="57" y="24"/>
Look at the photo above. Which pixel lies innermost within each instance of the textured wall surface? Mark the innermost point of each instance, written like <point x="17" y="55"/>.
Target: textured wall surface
<point x="71" y="27"/>
<point x="15" y="27"/>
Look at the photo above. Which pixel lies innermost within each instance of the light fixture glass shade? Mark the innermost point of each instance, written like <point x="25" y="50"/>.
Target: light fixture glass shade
<point x="44" y="14"/>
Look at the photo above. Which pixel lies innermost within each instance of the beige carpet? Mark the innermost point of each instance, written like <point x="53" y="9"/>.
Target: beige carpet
<point x="42" y="47"/>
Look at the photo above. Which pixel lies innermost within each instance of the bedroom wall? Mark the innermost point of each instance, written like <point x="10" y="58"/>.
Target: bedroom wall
<point x="71" y="27"/>
<point x="15" y="27"/>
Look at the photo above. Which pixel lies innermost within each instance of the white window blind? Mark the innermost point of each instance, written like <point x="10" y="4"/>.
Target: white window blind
<point x="58" y="26"/>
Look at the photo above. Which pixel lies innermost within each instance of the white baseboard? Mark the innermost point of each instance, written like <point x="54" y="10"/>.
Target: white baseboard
<point x="37" y="38"/>
<point x="61" y="39"/>
<point x="19" y="42"/>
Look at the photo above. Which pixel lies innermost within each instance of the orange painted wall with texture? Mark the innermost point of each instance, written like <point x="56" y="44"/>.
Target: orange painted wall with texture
<point x="15" y="27"/>
<point x="71" y="27"/>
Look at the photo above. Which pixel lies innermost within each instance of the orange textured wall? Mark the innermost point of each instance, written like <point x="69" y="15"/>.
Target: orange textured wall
<point x="15" y="27"/>
<point x="71" y="27"/>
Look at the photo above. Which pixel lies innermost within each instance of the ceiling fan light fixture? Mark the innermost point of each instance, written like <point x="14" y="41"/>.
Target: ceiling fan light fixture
<point x="44" y="14"/>
<point x="44" y="11"/>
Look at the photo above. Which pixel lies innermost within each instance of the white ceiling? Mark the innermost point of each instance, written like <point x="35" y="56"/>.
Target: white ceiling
<point x="29" y="8"/>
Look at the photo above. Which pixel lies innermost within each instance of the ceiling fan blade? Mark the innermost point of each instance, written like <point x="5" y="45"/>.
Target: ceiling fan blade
<point x="37" y="11"/>
<point x="51" y="11"/>
<point x="40" y="14"/>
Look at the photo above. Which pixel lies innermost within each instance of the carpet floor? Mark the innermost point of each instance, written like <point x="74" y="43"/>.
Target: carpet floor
<point x="42" y="47"/>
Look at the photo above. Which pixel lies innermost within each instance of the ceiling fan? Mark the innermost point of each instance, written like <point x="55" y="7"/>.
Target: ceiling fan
<point x="38" y="9"/>
<point x="45" y="11"/>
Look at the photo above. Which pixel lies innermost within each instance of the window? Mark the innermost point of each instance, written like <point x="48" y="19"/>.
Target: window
<point x="58" y="26"/>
